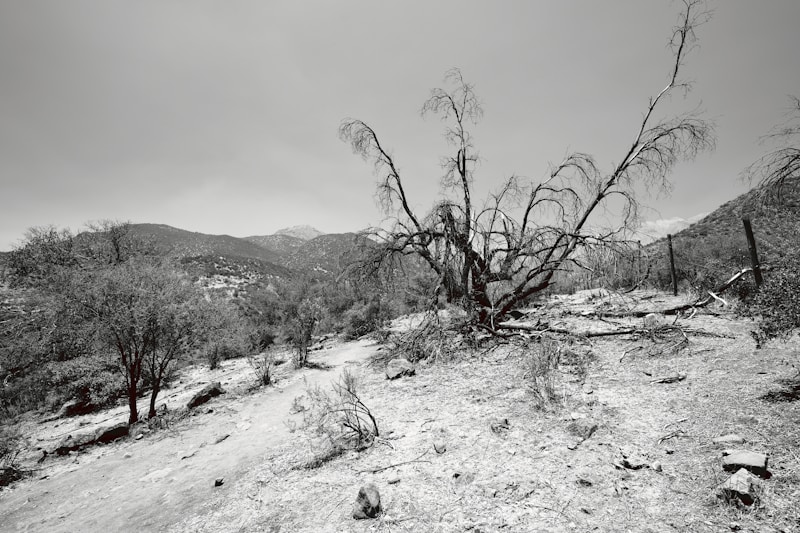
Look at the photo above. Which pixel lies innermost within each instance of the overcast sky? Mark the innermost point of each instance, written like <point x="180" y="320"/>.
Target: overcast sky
<point x="222" y="117"/>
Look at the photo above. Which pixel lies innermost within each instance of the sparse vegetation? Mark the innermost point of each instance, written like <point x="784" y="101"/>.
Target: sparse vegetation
<point x="340" y="417"/>
<point x="540" y="367"/>
<point x="10" y="447"/>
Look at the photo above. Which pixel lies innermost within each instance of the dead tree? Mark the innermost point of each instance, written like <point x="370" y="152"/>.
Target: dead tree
<point x="490" y="256"/>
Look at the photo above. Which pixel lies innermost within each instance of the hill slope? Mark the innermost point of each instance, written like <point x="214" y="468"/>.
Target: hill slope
<point x="715" y="247"/>
<point x="190" y="244"/>
<point x="326" y="254"/>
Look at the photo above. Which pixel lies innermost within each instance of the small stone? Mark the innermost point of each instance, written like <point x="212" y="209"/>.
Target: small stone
<point x="368" y="502"/>
<point x="219" y="482"/>
<point x="731" y="438"/>
<point x="651" y="320"/>
<point x="656" y="466"/>
<point x="740" y="487"/>
<point x="139" y="436"/>
<point x="128" y="455"/>
<point x="440" y="446"/>
<point x="394" y="481"/>
<point x="733" y="460"/>
<point x="576" y="416"/>
<point x="587" y="389"/>
<point x="399" y="367"/>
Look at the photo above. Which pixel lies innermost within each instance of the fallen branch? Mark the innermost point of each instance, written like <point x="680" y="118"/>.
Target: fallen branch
<point x="674" y="378"/>
<point x="382" y="468"/>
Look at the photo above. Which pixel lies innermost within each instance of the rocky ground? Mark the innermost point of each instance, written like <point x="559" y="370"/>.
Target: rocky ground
<point x="619" y="437"/>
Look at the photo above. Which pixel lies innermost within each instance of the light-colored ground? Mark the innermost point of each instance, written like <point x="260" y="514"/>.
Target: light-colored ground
<point x="508" y="466"/>
<point x="148" y="484"/>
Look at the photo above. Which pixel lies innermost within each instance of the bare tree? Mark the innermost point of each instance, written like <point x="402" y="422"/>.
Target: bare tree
<point x="779" y="169"/>
<point x="491" y="256"/>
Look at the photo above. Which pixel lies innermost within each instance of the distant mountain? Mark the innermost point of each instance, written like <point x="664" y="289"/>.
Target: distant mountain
<point x="281" y="244"/>
<point x="327" y="254"/>
<point x="192" y="244"/>
<point x="305" y="233"/>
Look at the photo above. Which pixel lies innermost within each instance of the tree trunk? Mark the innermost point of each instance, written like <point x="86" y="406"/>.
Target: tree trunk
<point x="153" y="395"/>
<point x="134" y="416"/>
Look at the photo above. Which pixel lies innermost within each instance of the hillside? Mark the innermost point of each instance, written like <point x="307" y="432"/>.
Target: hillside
<point x="280" y="244"/>
<point x="715" y="247"/>
<point x="190" y="244"/>
<point x="326" y="254"/>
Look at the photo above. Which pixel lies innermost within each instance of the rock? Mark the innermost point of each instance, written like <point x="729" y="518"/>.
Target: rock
<point x="440" y="446"/>
<point x="74" y="408"/>
<point x="113" y="432"/>
<point x="209" y="391"/>
<point x="731" y="438"/>
<point x="740" y="487"/>
<point x="651" y="320"/>
<point x="733" y="460"/>
<point x="656" y="466"/>
<point x="368" y="502"/>
<point x="394" y="481"/>
<point x="630" y="460"/>
<point x="219" y="482"/>
<point x="73" y="443"/>
<point x="399" y="367"/>
<point x="139" y="436"/>
<point x="501" y="425"/>
<point x="587" y="389"/>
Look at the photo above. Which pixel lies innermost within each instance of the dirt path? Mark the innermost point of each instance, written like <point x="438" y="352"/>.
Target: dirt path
<point x="149" y="484"/>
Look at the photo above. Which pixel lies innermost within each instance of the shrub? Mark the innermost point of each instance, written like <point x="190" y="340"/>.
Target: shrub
<point x="10" y="446"/>
<point x="540" y="365"/>
<point x="365" y="319"/>
<point x="777" y="302"/>
<point x="262" y="364"/>
<point x="341" y="417"/>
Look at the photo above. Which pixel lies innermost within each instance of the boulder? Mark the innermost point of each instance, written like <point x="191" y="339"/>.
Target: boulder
<point x="74" y="408"/>
<point x="209" y="391"/>
<point x="733" y="460"/>
<point x="740" y="486"/>
<point x="399" y="367"/>
<point x="368" y="502"/>
<point x="113" y="432"/>
<point x="73" y="443"/>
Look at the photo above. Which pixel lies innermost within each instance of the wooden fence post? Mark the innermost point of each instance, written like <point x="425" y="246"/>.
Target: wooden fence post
<point x="751" y="243"/>
<point x="672" y="266"/>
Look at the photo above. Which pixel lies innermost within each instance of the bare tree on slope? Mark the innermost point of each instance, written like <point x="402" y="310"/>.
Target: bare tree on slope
<point x="490" y="256"/>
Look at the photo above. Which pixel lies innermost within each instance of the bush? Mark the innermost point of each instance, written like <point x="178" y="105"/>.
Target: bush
<point x="777" y="302"/>
<point x="262" y="365"/>
<point x="340" y="417"/>
<point x="10" y="446"/>
<point x="365" y="319"/>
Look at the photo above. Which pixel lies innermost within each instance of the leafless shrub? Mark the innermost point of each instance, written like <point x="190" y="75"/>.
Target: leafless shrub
<point x="435" y="339"/>
<point x="340" y="418"/>
<point x="263" y="364"/>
